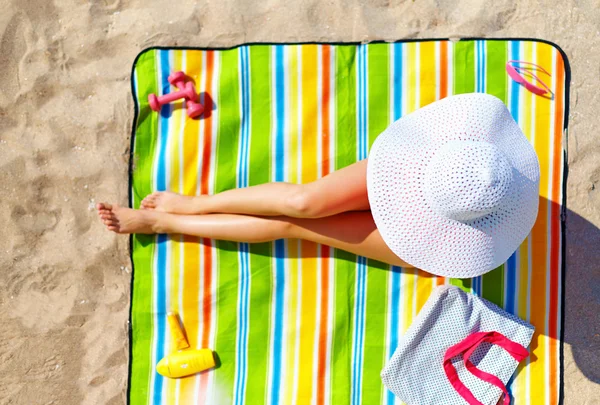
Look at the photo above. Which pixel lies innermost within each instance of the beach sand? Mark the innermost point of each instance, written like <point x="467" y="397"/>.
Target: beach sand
<point x="65" y="120"/>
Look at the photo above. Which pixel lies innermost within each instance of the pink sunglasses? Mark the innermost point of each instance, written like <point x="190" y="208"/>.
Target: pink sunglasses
<point x="516" y="73"/>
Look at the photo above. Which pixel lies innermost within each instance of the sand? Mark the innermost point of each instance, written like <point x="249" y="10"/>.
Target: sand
<point x="65" y="119"/>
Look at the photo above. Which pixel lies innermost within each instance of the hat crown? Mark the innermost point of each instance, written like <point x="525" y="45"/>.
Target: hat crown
<point x="466" y="180"/>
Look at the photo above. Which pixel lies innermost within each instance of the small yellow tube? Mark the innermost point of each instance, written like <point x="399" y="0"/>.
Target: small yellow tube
<point x="185" y="363"/>
<point x="177" y="331"/>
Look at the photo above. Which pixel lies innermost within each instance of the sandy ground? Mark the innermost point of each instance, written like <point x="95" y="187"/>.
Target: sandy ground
<point x="65" y="119"/>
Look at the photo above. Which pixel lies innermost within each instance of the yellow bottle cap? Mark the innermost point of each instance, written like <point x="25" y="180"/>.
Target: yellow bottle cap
<point x="162" y="367"/>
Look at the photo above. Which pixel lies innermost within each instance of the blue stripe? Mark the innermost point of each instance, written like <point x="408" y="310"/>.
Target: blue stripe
<point x="279" y="109"/>
<point x="279" y="244"/>
<point x="362" y="278"/>
<point x="364" y="94"/>
<point x="243" y="255"/>
<point x="397" y="81"/>
<point x="161" y="262"/>
<point x="395" y="318"/>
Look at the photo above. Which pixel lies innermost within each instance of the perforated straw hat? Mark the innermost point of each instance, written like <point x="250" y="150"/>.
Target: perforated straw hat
<point x="453" y="186"/>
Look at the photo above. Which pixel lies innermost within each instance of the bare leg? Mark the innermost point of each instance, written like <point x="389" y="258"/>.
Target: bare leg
<point x="354" y="232"/>
<point x="341" y="191"/>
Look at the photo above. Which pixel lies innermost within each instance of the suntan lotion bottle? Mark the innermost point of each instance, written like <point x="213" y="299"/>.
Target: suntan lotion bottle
<point x="185" y="362"/>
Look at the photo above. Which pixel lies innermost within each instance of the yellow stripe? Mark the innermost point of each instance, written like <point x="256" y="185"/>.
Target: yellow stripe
<point x="292" y="82"/>
<point x="411" y="76"/>
<point x="308" y="299"/>
<point x="540" y="272"/>
<point x="427" y="94"/>
<point x="427" y="80"/>
<point x="408" y="297"/>
<point x="191" y="249"/>
<point x="292" y="262"/>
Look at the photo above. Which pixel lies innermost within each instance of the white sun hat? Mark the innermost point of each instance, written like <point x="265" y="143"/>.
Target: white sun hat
<point x="453" y="186"/>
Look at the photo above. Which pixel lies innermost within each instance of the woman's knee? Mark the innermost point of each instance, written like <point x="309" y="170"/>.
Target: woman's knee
<point x="302" y="203"/>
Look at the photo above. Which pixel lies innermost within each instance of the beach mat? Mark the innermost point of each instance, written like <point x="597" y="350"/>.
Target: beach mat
<point x="293" y="322"/>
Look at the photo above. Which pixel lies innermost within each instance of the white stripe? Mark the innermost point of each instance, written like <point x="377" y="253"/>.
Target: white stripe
<point x="438" y="70"/>
<point x="319" y="137"/>
<point x="560" y="229"/>
<point x="450" y="68"/>
<point x="315" y="359"/>
<point x="417" y="75"/>
<point x="332" y="109"/>
<point x="285" y="325"/>
<point x="297" y="337"/>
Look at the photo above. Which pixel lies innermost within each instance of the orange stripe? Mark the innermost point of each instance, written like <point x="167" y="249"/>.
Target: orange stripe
<point x="555" y="225"/>
<point x="206" y="243"/>
<point x="322" y="363"/>
<point x="443" y="69"/>
<point x="325" y="250"/>
<point x="325" y="62"/>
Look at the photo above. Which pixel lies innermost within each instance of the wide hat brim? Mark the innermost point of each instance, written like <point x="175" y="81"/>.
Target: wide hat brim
<point x="396" y="170"/>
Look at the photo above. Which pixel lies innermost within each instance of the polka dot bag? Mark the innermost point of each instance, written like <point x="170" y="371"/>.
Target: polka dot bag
<point x="460" y="349"/>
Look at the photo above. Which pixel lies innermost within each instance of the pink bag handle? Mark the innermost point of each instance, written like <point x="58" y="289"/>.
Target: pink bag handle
<point x="515" y="73"/>
<point x="467" y="347"/>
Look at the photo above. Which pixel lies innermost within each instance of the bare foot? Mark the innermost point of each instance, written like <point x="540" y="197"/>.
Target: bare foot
<point x="125" y="220"/>
<point x="165" y="201"/>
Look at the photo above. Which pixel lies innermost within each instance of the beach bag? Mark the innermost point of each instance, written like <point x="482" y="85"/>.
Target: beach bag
<point x="460" y="349"/>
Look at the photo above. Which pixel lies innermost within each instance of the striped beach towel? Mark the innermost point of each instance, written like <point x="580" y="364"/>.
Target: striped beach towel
<point x="293" y="322"/>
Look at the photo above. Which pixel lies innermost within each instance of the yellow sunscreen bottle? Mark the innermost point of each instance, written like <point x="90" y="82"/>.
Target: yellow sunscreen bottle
<point x="185" y="362"/>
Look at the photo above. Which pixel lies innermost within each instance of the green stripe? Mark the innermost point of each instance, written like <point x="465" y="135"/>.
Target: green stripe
<point x="496" y="78"/>
<point x="345" y="93"/>
<point x="345" y="263"/>
<point x="376" y="304"/>
<point x="464" y="82"/>
<point x="464" y="67"/>
<point x="341" y="347"/>
<point x="261" y="254"/>
<point x="143" y="246"/>
<point x="227" y="253"/>
<point x="496" y="84"/>
<point x="379" y="89"/>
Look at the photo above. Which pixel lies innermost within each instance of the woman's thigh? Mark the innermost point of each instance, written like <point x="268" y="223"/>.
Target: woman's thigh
<point x="340" y="191"/>
<point x="354" y="232"/>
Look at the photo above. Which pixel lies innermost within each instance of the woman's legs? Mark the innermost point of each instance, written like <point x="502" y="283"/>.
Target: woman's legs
<point x="354" y="232"/>
<point x="341" y="191"/>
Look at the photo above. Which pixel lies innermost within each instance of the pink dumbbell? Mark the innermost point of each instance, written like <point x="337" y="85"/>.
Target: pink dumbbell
<point x="188" y="92"/>
<point x="177" y="79"/>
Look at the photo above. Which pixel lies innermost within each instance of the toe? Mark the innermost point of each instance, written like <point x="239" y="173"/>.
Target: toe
<point x="104" y="207"/>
